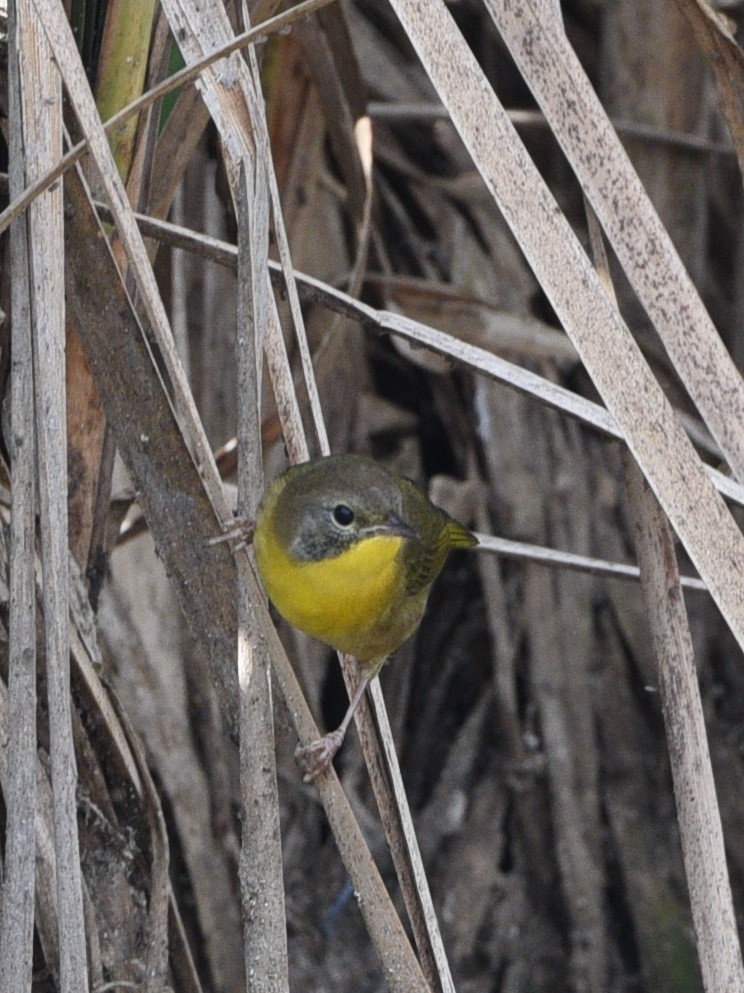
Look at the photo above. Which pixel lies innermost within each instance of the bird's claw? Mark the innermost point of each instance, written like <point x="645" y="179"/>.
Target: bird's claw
<point x="318" y="755"/>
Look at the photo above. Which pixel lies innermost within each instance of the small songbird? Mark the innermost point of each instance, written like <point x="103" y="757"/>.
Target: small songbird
<point x="348" y="551"/>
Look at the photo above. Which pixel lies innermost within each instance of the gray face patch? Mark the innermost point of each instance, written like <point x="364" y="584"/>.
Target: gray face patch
<point x="318" y="537"/>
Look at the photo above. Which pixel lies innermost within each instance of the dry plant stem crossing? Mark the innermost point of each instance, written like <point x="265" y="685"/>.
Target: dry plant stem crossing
<point x="234" y="104"/>
<point x="41" y="107"/>
<point x="318" y="755"/>
<point x="474" y="358"/>
<point x="45" y="918"/>
<point x="409" y="864"/>
<point x="378" y="748"/>
<point x="65" y="52"/>
<point x="285" y="259"/>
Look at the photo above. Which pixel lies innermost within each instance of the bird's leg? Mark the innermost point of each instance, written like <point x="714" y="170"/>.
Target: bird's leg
<point x="318" y="755"/>
<point x="241" y="532"/>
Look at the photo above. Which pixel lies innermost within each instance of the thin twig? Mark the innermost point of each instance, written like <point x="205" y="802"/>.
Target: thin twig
<point x="522" y="551"/>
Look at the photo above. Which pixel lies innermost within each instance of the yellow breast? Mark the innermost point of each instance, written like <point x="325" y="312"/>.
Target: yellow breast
<point x="354" y="602"/>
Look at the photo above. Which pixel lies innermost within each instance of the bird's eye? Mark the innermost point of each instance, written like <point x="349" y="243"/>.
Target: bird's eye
<point x="343" y="515"/>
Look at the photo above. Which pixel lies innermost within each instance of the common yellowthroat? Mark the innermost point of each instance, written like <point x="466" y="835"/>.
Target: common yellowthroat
<point x="348" y="551"/>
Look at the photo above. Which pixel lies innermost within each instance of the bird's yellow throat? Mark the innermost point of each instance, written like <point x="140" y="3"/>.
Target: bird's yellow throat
<point x="340" y="600"/>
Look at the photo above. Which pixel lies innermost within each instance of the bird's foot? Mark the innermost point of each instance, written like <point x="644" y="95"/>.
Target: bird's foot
<point x="241" y="533"/>
<point x="318" y="755"/>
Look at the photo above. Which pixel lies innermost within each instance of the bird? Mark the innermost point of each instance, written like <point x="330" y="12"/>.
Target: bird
<point x="347" y="551"/>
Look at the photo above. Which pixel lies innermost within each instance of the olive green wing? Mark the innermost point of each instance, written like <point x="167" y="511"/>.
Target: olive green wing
<point x="424" y="558"/>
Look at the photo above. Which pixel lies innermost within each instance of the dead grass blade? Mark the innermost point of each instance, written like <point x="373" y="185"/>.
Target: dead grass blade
<point x="133" y="396"/>
<point x="486" y="363"/>
<point x="376" y="737"/>
<point x="19" y="789"/>
<point x="603" y="341"/>
<point x="341" y="90"/>
<point x="233" y="104"/>
<point x="290" y="287"/>
<point x="41" y="107"/>
<point x="429" y="941"/>
<point x="381" y="760"/>
<point x="232" y="96"/>
<point x="402" y="970"/>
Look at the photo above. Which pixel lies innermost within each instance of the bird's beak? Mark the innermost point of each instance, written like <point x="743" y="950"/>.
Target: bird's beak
<point x="397" y="526"/>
